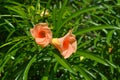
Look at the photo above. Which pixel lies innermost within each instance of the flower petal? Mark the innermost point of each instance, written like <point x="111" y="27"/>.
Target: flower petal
<point x="42" y="34"/>
<point x="66" y="44"/>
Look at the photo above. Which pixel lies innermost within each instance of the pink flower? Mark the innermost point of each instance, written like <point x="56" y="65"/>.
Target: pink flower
<point x="66" y="45"/>
<point x="42" y="34"/>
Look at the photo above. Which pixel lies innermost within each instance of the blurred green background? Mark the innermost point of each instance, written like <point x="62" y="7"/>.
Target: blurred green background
<point x="96" y="24"/>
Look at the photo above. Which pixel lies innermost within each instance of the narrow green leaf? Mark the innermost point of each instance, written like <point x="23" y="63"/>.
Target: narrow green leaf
<point x="18" y="75"/>
<point x="15" y="3"/>
<point x="102" y="75"/>
<point x="109" y="37"/>
<point x="19" y="59"/>
<point x="88" y="72"/>
<point x="9" y="23"/>
<point x="80" y="39"/>
<point x="83" y="44"/>
<point x="14" y="46"/>
<point x="9" y="43"/>
<point x="10" y="34"/>
<point x="19" y="10"/>
<point x="25" y="75"/>
<point x="64" y="63"/>
<point x="95" y="28"/>
<point x="92" y="57"/>
<point x="7" y="58"/>
<point x="48" y="4"/>
<point x="72" y="77"/>
<point x="111" y="64"/>
<point x="55" y="67"/>
<point x="61" y="13"/>
<point x="1" y="24"/>
<point x="37" y="7"/>
<point x="75" y="15"/>
<point x="96" y="39"/>
<point x="83" y="73"/>
<point x="99" y="18"/>
<point x="10" y="16"/>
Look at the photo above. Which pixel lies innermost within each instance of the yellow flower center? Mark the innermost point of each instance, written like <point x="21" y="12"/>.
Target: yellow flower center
<point x="55" y="41"/>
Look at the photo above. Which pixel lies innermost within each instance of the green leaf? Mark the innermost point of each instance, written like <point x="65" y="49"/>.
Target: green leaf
<point x="83" y="44"/>
<point x="25" y="75"/>
<point x="10" y="34"/>
<point x="7" y="58"/>
<point x="102" y="75"/>
<point x="9" y="16"/>
<point x="111" y="64"/>
<point x="99" y="18"/>
<point x="118" y="2"/>
<point x="75" y="15"/>
<point x="14" y="46"/>
<point x="45" y="78"/>
<point x="88" y="72"/>
<point x="9" y="43"/>
<point x="109" y="37"/>
<point x="61" y="14"/>
<point x="92" y="57"/>
<point x="55" y="67"/>
<point x="83" y="73"/>
<point x="48" y="4"/>
<point x="93" y="28"/>
<point x="18" y="9"/>
<point x="72" y="77"/>
<point x="9" y="23"/>
<point x="64" y="63"/>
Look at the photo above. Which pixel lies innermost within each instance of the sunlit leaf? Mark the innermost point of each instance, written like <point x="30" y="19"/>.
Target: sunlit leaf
<point x="92" y="57"/>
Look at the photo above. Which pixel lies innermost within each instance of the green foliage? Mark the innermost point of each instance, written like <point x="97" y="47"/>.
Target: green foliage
<point x="96" y="24"/>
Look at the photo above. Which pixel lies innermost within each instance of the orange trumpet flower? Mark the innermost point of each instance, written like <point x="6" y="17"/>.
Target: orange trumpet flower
<point x="66" y="45"/>
<point x="42" y="34"/>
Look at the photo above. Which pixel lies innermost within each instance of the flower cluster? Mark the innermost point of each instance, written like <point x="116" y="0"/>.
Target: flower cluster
<point x="43" y="36"/>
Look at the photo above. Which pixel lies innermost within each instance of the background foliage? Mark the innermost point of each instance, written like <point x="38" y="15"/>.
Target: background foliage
<point x="96" y="24"/>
